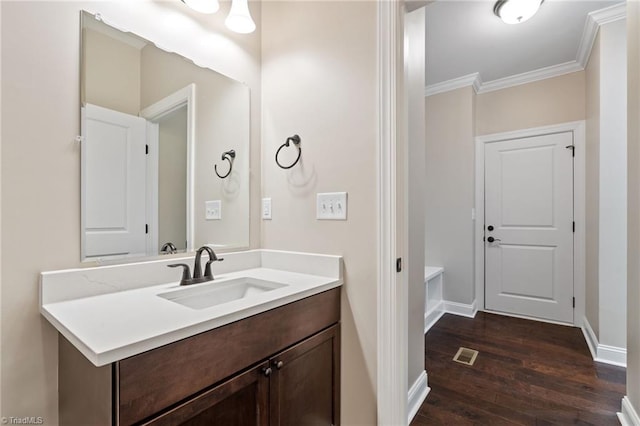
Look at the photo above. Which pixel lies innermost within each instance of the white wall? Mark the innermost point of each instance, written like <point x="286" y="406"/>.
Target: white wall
<point x="613" y="185"/>
<point x="606" y="186"/>
<point x="41" y="163"/>
<point x="416" y="170"/>
<point x="320" y="81"/>
<point x="592" y="186"/>
<point x="633" y="206"/>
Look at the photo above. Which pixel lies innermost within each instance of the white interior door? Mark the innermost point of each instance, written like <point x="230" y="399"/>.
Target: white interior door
<point x="529" y="213"/>
<point x="113" y="183"/>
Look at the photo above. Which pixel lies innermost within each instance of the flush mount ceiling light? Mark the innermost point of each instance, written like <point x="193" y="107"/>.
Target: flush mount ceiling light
<point x="516" y="11"/>
<point x="239" y="19"/>
<point x="203" y="6"/>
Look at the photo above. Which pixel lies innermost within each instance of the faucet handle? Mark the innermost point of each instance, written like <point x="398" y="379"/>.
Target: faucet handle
<point x="186" y="272"/>
<point x="207" y="267"/>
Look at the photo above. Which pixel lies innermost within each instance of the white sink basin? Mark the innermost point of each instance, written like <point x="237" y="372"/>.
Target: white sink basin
<point x="205" y="295"/>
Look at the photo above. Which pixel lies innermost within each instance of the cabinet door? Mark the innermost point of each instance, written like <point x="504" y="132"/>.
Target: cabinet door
<point x="305" y="384"/>
<point x="243" y="400"/>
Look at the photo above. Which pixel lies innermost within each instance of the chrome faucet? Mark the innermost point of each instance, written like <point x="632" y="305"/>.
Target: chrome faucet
<point x="198" y="277"/>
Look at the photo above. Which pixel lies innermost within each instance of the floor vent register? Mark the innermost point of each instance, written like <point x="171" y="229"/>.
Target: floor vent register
<point x="466" y="356"/>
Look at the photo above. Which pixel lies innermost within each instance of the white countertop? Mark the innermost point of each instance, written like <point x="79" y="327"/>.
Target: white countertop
<point x="119" y="321"/>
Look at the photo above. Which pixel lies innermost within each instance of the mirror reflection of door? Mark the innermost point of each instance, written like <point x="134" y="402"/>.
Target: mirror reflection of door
<point x="113" y="183"/>
<point x="121" y="175"/>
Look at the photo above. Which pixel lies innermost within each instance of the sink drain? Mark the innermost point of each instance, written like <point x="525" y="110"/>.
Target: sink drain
<point x="466" y="356"/>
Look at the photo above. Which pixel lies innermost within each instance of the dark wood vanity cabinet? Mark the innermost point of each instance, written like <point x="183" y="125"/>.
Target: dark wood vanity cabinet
<point x="243" y="400"/>
<point x="279" y="367"/>
<point x="295" y="387"/>
<point x="304" y="387"/>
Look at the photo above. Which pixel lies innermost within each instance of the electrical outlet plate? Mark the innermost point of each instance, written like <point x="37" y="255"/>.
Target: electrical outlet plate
<point x="331" y="206"/>
<point x="266" y="208"/>
<point x="213" y="210"/>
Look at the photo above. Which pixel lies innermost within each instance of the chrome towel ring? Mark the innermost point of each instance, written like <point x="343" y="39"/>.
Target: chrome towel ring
<point x="296" y="141"/>
<point x="229" y="156"/>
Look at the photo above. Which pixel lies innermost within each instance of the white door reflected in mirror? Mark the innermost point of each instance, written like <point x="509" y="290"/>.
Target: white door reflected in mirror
<point x="113" y="183"/>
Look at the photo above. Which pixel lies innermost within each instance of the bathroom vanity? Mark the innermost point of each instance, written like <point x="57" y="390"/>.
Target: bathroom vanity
<point x="269" y="357"/>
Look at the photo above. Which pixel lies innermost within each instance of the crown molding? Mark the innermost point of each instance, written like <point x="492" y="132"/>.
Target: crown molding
<point x="456" y="83"/>
<point x="530" y="76"/>
<point x="593" y="22"/>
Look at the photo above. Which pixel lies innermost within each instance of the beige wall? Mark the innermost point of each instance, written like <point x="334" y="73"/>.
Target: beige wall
<point x="319" y="81"/>
<point x="450" y="150"/>
<point x="551" y="101"/>
<point x="222" y="123"/>
<point x="41" y="163"/>
<point x="592" y="185"/>
<point x="633" y="206"/>
<point x="172" y="179"/>
<point x="111" y="73"/>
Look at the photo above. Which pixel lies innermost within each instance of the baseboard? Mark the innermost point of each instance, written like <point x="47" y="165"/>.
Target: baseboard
<point x="461" y="309"/>
<point x="431" y="317"/>
<point x="628" y="416"/>
<point x="603" y="353"/>
<point x="590" y="337"/>
<point x="417" y="394"/>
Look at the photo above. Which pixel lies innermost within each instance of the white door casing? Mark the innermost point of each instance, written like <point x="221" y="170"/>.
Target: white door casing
<point x="529" y="202"/>
<point x="154" y="113"/>
<point x="113" y="183"/>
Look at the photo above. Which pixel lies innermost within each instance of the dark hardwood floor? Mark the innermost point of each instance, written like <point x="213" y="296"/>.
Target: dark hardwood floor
<point x="526" y="373"/>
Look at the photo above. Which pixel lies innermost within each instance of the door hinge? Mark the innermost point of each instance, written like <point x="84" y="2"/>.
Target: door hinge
<point x="146" y="149"/>
<point x="399" y="264"/>
<point x="146" y="228"/>
<point x="574" y="302"/>
<point x="574" y="226"/>
<point x="573" y="149"/>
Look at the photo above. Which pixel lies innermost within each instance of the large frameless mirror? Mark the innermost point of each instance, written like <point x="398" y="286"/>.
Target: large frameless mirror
<point x="165" y="150"/>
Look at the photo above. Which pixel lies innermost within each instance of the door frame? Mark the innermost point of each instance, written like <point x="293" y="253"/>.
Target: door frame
<point x="392" y="294"/>
<point x="154" y="113"/>
<point x="579" y="214"/>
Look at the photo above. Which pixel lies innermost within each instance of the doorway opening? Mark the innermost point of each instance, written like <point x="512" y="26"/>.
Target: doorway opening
<point x="531" y="262"/>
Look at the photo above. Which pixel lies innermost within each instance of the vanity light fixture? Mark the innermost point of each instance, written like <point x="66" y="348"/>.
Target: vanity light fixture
<point x="203" y="6"/>
<point x="239" y="19"/>
<point x="516" y="11"/>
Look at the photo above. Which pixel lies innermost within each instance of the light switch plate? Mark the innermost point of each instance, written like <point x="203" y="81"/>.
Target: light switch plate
<point x="266" y="208"/>
<point x="331" y="206"/>
<point x="213" y="210"/>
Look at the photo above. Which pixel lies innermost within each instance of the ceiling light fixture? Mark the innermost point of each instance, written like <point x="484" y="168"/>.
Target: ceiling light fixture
<point x="516" y="11"/>
<point x="239" y="19"/>
<point x="203" y="6"/>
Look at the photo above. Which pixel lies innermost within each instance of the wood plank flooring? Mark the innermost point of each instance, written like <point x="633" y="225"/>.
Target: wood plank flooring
<point x="526" y="373"/>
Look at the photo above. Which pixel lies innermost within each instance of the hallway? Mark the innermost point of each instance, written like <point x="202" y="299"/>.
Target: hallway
<point x="526" y="373"/>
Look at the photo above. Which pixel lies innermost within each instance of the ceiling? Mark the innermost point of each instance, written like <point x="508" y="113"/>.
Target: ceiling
<point x="465" y="37"/>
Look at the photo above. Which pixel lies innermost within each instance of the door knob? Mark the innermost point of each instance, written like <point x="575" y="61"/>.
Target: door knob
<point x="279" y="364"/>
<point x="490" y="228"/>
<point x="266" y="371"/>
<point x="491" y="239"/>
